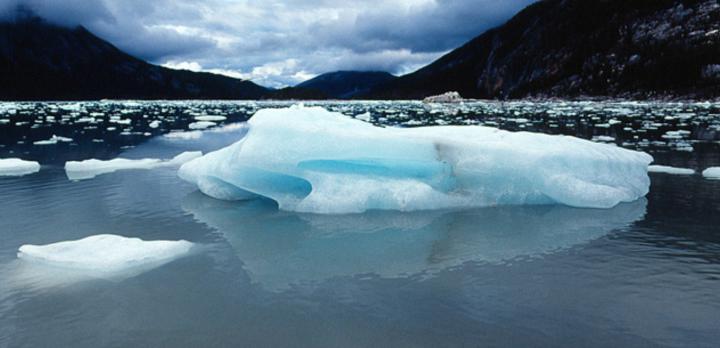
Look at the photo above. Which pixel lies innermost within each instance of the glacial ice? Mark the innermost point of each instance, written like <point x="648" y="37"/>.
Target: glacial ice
<point x="447" y="97"/>
<point x="17" y="167"/>
<point x="712" y="173"/>
<point x="88" y="169"/>
<point x="313" y="160"/>
<point x="105" y="254"/>
<point x="211" y="118"/>
<point x="670" y="170"/>
<point x="53" y="140"/>
<point x="197" y="134"/>
<point x="202" y="125"/>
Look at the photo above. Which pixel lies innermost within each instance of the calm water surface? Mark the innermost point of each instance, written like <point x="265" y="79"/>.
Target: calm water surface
<point x="641" y="274"/>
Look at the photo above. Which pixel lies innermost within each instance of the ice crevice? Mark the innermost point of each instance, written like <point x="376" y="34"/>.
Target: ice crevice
<point x="317" y="161"/>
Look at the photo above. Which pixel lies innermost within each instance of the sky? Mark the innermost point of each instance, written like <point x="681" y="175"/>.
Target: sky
<point x="281" y="43"/>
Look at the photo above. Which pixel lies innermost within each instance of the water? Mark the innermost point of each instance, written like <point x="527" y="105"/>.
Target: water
<point x="645" y="273"/>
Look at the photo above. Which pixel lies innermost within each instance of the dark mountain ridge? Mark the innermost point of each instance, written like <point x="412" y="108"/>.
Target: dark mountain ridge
<point x="639" y="49"/>
<point x="41" y="61"/>
<point x="346" y="84"/>
<point x="642" y="49"/>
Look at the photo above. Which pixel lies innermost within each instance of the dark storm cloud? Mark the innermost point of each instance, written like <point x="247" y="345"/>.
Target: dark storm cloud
<point x="436" y="26"/>
<point x="280" y="42"/>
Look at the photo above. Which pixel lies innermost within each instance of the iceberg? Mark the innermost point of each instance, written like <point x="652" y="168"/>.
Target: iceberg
<point x="670" y="170"/>
<point x="88" y="169"/>
<point x="17" y="167"/>
<point x="447" y="97"/>
<point x="316" y="161"/>
<point x="104" y="256"/>
<point x="712" y="173"/>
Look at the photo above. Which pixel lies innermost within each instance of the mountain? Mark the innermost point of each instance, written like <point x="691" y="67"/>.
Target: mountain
<point x="576" y="48"/>
<point x="43" y="61"/>
<point x="345" y="84"/>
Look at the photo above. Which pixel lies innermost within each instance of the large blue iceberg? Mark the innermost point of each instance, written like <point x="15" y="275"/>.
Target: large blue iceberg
<point x="316" y="161"/>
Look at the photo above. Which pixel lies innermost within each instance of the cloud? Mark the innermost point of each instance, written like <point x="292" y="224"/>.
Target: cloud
<point x="279" y="43"/>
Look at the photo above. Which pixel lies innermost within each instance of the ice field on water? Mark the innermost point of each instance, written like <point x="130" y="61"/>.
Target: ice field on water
<point x="99" y="231"/>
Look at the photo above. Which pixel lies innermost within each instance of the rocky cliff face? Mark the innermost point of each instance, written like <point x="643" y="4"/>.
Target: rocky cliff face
<point x="579" y="48"/>
<point x="43" y="61"/>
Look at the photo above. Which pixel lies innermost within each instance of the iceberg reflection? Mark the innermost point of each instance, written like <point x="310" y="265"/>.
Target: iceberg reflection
<point x="280" y="248"/>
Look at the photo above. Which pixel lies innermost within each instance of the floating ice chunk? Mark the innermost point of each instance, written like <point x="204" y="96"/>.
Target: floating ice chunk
<point x="88" y="169"/>
<point x="670" y="170"/>
<point x="17" y="167"/>
<point x="105" y="255"/>
<point x="184" y="135"/>
<point x="197" y="134"/>
<point x="603" y="138"/>
<point x="202" y="125"/>
<point x="447" y="97"/>
<point x="364" y="117"/>
<point x="53" y="140"/>
<point x="313" y="160"/>
<point x="125" y="121"/>
<point x="210" y="118"/>
<point x="712" y="173"/>
<point x="154" y="124"/>
<point x="91" y="168"/>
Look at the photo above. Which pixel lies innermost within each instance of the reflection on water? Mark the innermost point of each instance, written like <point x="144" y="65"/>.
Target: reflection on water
<point x="280" y="249"/>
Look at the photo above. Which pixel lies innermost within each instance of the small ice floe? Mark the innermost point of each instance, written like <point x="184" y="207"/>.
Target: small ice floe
<point x="364" y="117"/>
<point x="88" y="169"/>
<point x="603" y="138"/>
<point x="211" y="118"/>
<point x="53" y="140"/>
<point x="447" y="97"/>
<point x="154" y="124"/>
<point x="122" y="121"/>
<point x="712" y="173"/>
<point x="184" y="135"/>
<point x="670" y="170"/>
<point x="202" y="125"/>
<point x="197" y="134"/>
<point x="17" y="167"/>
<point x="103" y="256"/>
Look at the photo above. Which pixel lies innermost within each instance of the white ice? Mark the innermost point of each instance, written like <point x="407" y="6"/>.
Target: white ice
<point x="212" y="118"/>
<point x="105" y="255"/>
<point x="53" y="140"/>
<point x="313" y="160"/>
<point x="712" y="173"/>
<point x="17" y="167"/>
<point x="670" y="170"/>
<point x="88" y="169"/>
<point x="202" y="125"/>
<point x="447" y="97"/>
<point x="197" y="134"/>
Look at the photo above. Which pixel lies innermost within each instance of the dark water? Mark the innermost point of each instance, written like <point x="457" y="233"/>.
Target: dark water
<point x="641" y="274"/>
